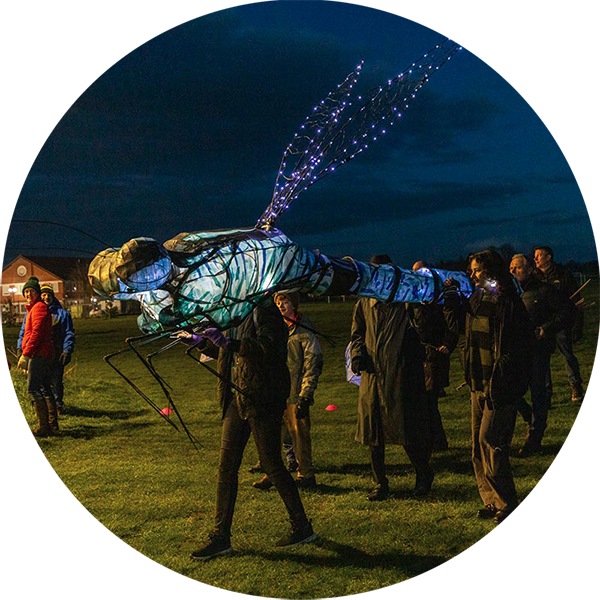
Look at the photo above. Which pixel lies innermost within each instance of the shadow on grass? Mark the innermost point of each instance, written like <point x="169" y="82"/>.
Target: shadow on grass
<point x="344" y="555"/>
<point x="74" y="411"/>
<point x="89" y="432"/>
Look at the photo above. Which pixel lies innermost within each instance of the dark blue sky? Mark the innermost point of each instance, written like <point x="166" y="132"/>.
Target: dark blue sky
<point x="186" y="133"/>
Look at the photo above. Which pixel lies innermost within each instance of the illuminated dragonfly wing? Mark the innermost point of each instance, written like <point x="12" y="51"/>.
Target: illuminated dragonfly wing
<point x="340" y="127"/>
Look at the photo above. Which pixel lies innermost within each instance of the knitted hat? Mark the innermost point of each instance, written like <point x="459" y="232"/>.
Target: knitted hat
<point x="293" y="297"/>
<point x="47" y="287"/>
<point x="33" y="283"/>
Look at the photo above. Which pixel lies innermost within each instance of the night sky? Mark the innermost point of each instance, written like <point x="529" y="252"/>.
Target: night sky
<point x="186" y="133"/>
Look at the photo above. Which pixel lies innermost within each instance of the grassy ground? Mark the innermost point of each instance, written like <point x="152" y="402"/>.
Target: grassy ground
<point x="146" y="483"/>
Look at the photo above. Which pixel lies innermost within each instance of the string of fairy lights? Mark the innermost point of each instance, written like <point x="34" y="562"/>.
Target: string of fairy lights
<point x="326" y="141"/>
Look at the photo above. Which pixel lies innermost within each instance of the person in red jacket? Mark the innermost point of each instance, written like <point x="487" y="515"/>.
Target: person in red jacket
<point x="36" y="358"/>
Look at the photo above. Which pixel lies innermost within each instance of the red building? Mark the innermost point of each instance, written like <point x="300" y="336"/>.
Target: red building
<point x="67" y="275"/>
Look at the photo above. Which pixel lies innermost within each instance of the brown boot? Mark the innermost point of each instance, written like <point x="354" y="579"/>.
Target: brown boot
<point x="52" y="414"/>
<point x="41" y="411"/>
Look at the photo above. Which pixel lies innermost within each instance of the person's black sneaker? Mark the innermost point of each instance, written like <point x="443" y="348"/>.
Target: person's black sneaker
<point x="577" y="393"/>
<point x="379" y="492"/>
<point x="306" y="482"/>
<point x="292" y="466"/>
<point x="263" y="484"/>
<point x="298" y="535"/>
<point x="529" y="448"/>
<point x="216" y="546"/>
<point x="487" y="512"/>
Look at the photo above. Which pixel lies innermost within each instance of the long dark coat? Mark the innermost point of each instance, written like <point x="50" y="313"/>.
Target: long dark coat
<point x="382" y="332"/>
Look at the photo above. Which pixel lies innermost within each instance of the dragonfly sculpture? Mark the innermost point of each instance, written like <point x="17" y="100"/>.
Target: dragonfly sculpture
<point x="215" y="278"/>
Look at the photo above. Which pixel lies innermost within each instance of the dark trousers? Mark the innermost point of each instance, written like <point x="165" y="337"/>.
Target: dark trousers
<point x="564" y="342"/>
<point x="56" y="381"/>
<point x="38" y="377"/>
<point x="537" y="414"/>
<point x="267" y="437"/>
<point x="418" y="454"/>
<point x="492" y="430"/>
<point x="440" y="442"/>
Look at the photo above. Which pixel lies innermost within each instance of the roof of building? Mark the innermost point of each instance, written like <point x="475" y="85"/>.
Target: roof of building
<point x="61" y="266"/>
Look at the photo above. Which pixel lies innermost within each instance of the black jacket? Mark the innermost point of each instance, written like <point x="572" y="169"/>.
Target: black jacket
<point x="513" y="342"/>
<point x="547" y="308"/>
<point x="562" y="279"/>
<point x="429" y="322"/>
<point x="256" y="362"/>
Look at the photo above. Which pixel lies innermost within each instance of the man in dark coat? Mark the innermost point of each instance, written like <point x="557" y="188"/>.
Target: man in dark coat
<point x="392" y="407"/>
<point x="253" y="387"/>
<point x="439" y="343"/>
<point x="558" y="276"/>
<point x="550" y="312"/>
<point x="497" y="364"/>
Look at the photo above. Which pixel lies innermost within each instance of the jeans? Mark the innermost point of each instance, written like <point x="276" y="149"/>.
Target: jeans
<point x="267" y="437"/>
<point x="38" y="377"/>
<point x="492" y="429"/>
<point x="564" y="341"/>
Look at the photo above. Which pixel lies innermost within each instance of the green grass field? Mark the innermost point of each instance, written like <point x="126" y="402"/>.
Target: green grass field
<point x="147" y="484"/>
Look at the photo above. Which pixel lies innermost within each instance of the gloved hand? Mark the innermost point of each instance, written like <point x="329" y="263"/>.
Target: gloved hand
<point x="450" y="287"/>
<point x="191" y="339"/>
<point x="216" y="337"/>
<point x="23" y="363"/>
<point x="65" y="358"/>
<point x="302" y="408"/>
<point x="362" y="363"/>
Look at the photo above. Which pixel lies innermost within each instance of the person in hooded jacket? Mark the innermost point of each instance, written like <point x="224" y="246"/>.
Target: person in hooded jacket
<point x="36" y="358"/>
<point x="253" y="386"/>
<point x="63" y="339"/>
<point x="385" y="349"/>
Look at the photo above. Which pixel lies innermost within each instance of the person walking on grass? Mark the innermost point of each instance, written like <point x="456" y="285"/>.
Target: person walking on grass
<point x="253" y="387"/>
<point x="438" y="343"/>
<point x="36" y="358"/>
<point x="386" y="351"/>
<point x="63" y="339"/>
<point x="550" y="312"/>
<point x="305" y="364"/>
<point x="497" y="363"/>
<point x="561" y="278"/>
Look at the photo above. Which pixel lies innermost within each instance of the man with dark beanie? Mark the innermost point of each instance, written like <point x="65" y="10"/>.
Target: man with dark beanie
<point x="36" y="358"/>
<point x="392" y="406"/>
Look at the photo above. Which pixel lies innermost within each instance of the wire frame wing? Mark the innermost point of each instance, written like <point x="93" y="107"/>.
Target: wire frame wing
<point x="333" y="135"/>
